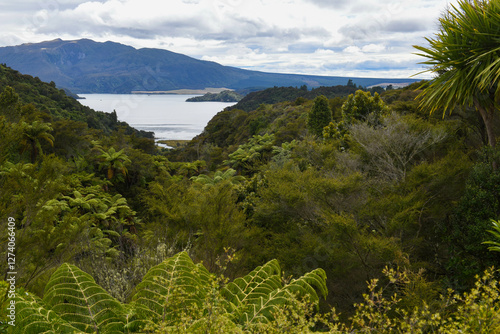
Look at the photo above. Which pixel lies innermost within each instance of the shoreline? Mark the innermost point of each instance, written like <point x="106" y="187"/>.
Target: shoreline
<point x="183" y="91"/>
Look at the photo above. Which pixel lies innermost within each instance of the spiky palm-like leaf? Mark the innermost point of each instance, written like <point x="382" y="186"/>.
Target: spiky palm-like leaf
<point x="495" y="244"/>
<point x="76" y="298"/>
<point x="168" y="288"/>
<point x="33" y="317"/>
<point x="465" y="55"/>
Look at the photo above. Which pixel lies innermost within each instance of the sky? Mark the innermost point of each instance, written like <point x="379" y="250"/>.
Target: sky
<point x="355" y="38"/>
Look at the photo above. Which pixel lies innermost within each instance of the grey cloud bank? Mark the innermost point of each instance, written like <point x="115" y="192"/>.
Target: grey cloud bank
<point x="357" y="38"/>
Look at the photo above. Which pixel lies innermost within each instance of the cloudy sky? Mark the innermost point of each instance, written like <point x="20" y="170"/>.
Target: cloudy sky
<point x="363" y="38"/>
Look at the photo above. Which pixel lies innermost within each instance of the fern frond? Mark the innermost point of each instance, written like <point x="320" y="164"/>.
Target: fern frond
<point x="262" y="309"/>
<point x="76" y="298"/>
<point x="261" y="281"/>
<point x="252" y="289"/>
<point x="133" y="323"/>
<point x="33" y="317"/>
<point x="167" y="289"/>
<point x="259" y="295"/>
<point x="304" y="286"/>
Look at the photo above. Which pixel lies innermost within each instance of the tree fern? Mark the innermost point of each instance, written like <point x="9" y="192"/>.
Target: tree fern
<point x="167" y="289"/>
<point x="76" y="298"/>
<point x="260" y="282"/>
<point x="263" y="309"/>
<point x="305" y="285"/>
<point x="32" y="317"/>
<point x="176" y="294"/>
<point x="257" y="296"/>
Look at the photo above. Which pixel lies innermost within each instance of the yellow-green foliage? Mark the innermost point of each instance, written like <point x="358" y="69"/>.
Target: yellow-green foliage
<point x="179" y="296"/>
<point x="175" y="296"/>
<point x="477" y="311"/>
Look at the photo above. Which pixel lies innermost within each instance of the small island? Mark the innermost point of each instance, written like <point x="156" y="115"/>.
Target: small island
<point x="224" y="96"/>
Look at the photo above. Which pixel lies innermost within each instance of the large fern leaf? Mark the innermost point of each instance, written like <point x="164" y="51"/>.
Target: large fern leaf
<point x="168" y="289"/>
<point x="76" y="298"/>
<point x="305" y="285"/>
<point x="260" y="294"/>
<point x="264" y="309"/>
<point x="32" y="317"/>
<point x="258" y="283"/>
<point x="247" y="294"/>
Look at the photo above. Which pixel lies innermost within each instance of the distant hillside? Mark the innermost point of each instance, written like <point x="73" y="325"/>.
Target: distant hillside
<point x="86" y="66"/>
<point x="56" y="103"/>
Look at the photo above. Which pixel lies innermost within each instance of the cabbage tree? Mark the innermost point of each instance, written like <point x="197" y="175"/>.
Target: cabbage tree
<point x="465" y="56"/>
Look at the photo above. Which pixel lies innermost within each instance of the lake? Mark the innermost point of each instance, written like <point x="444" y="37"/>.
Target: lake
<point x="168" y="116"/>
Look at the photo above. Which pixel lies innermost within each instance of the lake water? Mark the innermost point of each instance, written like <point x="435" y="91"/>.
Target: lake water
<point x="168" y="116"/>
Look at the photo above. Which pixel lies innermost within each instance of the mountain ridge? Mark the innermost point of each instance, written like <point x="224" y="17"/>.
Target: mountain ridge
<point x="87" y="66"/>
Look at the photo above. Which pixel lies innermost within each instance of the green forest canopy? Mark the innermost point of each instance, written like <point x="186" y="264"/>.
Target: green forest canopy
<point x="388" y="194"/>
<point x="115" y="205"/>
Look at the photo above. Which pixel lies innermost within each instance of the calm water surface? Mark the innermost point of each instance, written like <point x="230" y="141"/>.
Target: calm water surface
<point x="168" y="116"/>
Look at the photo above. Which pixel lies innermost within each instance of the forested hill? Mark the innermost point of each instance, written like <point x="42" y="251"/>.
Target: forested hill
<point x="224" y="96"/>
<point x="57" y="104"/>
<point x="280" y="94"/>
<point x="281" y="111"/>
<point x="86" y="66"/>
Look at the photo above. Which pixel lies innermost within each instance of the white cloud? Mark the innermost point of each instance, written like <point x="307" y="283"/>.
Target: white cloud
<point x="352" y="49"/>
<point x="324" y="52"/>
<point x="373" y="48"/>
<point x="326" y="37"/>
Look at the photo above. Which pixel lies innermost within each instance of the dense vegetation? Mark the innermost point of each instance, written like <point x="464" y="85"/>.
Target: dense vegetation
<point x="281" y="94"/>
<point x="261" y="224"/>
<point x="224" y="96"/>
<point x="398" y="187"/>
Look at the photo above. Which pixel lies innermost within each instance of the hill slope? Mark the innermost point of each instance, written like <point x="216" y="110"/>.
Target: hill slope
<point x="86" y="66"/>
<point x="56" y="103"/>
